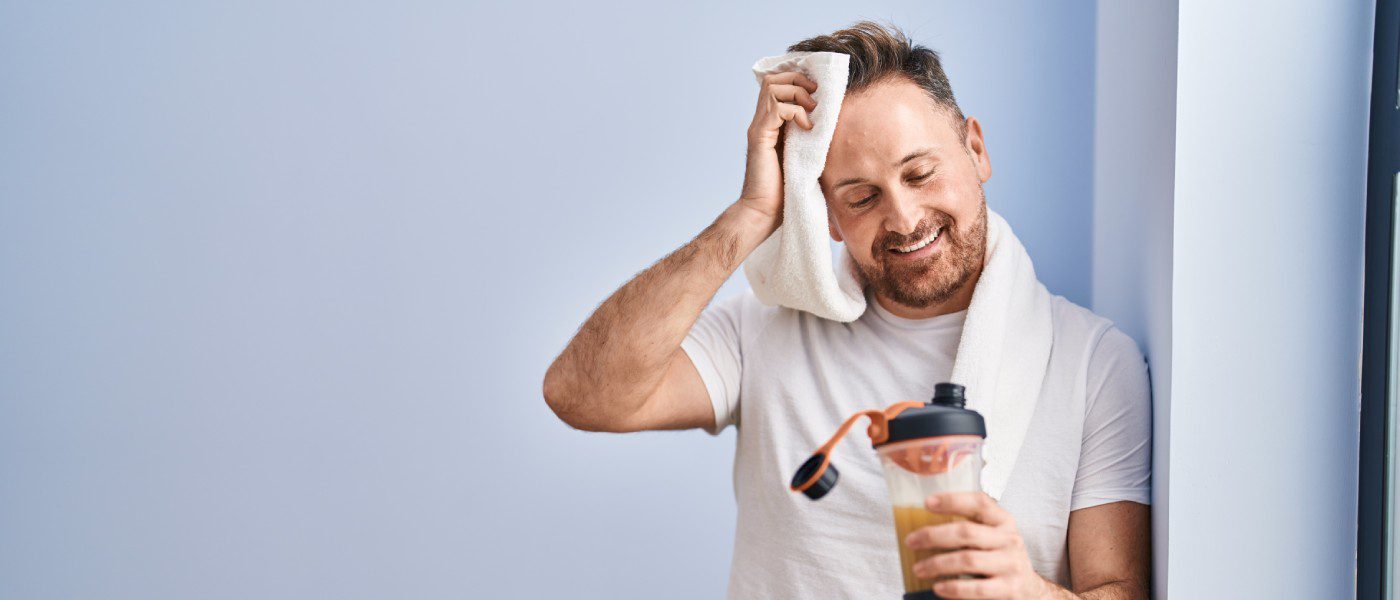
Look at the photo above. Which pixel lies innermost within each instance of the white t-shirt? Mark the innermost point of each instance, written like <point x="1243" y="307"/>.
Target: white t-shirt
<point x="786" y="379"/>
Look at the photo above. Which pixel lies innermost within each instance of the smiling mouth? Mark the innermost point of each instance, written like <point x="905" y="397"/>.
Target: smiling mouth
<point x="919" y="245"/>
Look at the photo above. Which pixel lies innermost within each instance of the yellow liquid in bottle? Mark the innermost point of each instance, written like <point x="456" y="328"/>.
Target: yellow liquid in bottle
<point x="907" y="519"/>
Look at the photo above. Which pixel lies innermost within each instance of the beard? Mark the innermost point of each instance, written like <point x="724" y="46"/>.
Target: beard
<point x="935" y="279"/>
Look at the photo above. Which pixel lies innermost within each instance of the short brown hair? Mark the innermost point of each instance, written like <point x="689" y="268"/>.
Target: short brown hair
<point x="881" y="51"/>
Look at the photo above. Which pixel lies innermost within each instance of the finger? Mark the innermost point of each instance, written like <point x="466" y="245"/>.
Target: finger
<point x="792" y="77"/>
<point x="957" y="535"/>
<point x="766" y="130"/>
<point x="973" y="589"/>
<point x="794" y="94"/>
<point x="977" y="506"/>
<point x="961" y="562"/>
<point x="793" y="112"/>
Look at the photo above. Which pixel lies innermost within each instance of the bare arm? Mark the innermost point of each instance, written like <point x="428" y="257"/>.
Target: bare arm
<point x="621" y="354"/>
<point x="624" y="369"/>
<point x="1110" y="553"/>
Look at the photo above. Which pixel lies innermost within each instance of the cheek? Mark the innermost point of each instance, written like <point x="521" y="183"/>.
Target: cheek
<point x="952" y="196"/>
<point x="961" y="200"/>
<point x="969" y="191"/>
<point x="860" y="232"/>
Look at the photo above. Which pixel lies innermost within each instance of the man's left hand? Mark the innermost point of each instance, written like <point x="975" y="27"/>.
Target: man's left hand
<point x="988" y="543"/>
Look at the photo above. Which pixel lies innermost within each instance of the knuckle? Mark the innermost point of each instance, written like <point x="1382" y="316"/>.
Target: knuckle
<point x="962" y="530"/>
<point x="940" y="561"/>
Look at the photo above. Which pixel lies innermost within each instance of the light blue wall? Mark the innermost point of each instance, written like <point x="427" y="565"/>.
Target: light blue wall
<point x="1271" y="137"/>
<point x="279" y="281"/>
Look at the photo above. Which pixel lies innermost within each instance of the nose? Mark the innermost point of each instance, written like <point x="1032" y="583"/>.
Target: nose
<point x="904" y="213"/>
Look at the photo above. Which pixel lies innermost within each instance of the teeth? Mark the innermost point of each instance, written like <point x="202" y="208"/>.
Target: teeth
<point x="926" y="241"/>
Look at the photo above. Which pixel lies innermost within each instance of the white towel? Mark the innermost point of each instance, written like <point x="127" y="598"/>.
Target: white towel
<point x="1005" y="347"/>
<point x="1005" y="350"/>
<point x="794" y="267"/>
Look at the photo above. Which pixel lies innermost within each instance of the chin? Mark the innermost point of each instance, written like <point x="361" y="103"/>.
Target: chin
<point x="926" y="289"/>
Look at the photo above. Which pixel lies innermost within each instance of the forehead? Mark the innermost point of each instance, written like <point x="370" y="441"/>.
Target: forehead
<point x="884" y="122"/>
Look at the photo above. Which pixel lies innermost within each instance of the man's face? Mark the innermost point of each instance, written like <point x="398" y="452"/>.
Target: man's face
<point x="898" y="176"/>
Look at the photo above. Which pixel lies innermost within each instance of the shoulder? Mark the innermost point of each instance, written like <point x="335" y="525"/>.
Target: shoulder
<point x="744" y="305"/>
<point x="1076" y="324"/>
<point x="1111" y="368"/>
<point x="749" y="315"/>
<point x="1093" y="337"/>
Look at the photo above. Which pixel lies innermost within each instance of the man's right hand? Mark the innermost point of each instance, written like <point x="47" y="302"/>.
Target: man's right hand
<point x="783" y="97"/>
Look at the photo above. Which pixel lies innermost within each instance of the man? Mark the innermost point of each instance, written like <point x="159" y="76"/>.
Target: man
<point x="903" y="183"/>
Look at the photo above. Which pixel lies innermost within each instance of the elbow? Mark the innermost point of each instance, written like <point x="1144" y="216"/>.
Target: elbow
<point x="555" y="395"/>
<point x="575" y="410"/>
<point x="564" y="402"/>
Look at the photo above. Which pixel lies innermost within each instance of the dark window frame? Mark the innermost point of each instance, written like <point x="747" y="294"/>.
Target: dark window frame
<point x="1373" y="520"/>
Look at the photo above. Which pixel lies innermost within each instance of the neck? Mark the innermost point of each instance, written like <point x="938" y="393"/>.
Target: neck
<point x="959" y="301"/>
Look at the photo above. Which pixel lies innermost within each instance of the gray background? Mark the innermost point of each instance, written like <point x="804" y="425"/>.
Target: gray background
<point x="279" y="281"/>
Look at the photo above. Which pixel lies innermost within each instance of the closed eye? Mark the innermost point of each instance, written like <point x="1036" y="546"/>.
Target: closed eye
<point x="871" y="198"/>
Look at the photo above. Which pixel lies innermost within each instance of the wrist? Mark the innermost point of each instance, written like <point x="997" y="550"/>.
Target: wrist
<point x="752" y="224"/>
<point x="753" y="221"/>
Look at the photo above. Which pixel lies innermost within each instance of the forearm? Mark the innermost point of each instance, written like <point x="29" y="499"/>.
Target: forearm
<point x="621" y="352"/>
<point x="1117" y="590"/>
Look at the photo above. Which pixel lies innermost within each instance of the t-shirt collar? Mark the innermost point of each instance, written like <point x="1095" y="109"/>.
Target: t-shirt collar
<point x="953" y="320"/>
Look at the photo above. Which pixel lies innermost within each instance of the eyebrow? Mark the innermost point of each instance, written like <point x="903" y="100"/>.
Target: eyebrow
<point x="907" y="157"/>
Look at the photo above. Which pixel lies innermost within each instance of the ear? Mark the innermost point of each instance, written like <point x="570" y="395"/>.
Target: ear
<point x="976" y="147"/>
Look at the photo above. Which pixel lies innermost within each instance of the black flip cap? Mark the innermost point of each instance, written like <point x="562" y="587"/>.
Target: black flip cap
<point x="823" y="484"/>
<point x="943" y="415"/>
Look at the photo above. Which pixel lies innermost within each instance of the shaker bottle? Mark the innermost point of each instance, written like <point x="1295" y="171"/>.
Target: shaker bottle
<point x="924" y="449"/>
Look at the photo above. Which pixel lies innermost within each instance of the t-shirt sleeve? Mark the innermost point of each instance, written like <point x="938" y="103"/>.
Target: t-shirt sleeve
<point x="1115" y="459"/>
<point x="713" y="345"/>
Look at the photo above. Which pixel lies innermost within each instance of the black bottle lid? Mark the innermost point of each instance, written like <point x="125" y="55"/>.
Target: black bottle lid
<point x="942" y="415"/>
<point x="823" y="484"/>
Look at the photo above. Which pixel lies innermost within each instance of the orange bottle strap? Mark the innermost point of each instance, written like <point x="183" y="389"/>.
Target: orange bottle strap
<point x="879" y="431"/>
